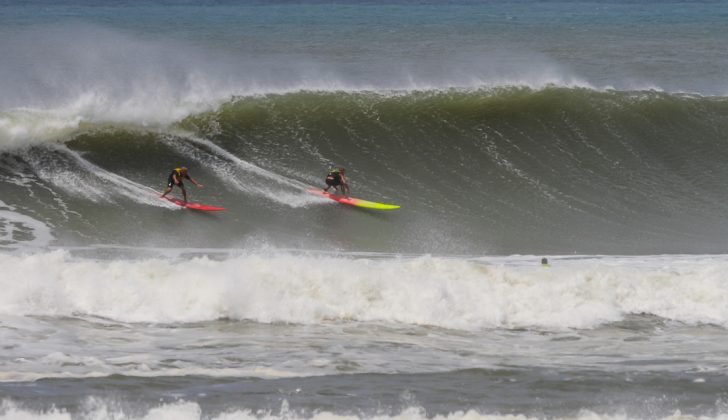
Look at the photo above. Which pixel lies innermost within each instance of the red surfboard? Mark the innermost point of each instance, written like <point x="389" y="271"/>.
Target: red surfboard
<point x="193" y="206"/>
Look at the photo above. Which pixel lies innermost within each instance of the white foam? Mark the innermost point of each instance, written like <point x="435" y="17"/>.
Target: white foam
<point x="97" y="408"/>
<point x="17" y="228"/>
<point x="446" y="292"/>
<point x="73" y="79"/>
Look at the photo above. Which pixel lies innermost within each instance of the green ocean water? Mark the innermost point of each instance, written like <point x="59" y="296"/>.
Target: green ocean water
<point x="506" y="170"/>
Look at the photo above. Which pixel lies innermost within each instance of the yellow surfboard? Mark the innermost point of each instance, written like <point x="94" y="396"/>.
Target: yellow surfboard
<point x="357" y="202"/>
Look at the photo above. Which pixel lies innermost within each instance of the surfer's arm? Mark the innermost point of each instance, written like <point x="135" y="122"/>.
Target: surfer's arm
<point x="194" y="182"/>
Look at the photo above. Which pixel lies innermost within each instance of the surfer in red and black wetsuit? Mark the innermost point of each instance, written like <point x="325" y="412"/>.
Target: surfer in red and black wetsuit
<point x="175" y="178"/>
<point x="336" y="178"/>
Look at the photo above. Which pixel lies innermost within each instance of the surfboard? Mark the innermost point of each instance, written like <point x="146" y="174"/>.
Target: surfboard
<point x="192" y="206"/>
<point x="357" y="202"/>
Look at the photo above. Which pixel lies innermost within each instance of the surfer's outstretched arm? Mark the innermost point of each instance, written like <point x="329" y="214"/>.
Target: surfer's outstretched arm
<point x="196" y="183"/>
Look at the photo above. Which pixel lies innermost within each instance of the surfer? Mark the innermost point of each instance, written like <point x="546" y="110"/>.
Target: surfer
<point x="336" y="178"/>
<point x="175" y="178"/>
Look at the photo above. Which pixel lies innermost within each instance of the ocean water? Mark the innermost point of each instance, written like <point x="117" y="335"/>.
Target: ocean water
<point x="593" y="133"/>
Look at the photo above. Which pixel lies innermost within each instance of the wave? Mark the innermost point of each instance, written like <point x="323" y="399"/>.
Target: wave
<point x="505" y="170"/>
<point x="155" y="105"/>
<point x="101" y="409"/>
<point x="444" y="292"/>
<point x="61" y="78"/>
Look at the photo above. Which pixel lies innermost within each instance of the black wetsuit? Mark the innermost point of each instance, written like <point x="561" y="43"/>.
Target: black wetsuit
<point x="333" y="179"/>
<point x="170" y="179"/>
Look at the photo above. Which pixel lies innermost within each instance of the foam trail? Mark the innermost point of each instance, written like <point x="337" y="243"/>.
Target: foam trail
<point x="16" y="228"/>
<point x="228" y="174"/>
<point x="100" y="187"/>
<point x="129" y="189"/>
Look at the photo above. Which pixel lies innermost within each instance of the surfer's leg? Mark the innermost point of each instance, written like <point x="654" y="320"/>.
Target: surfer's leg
<point x="329" y="184"/>
<point x="184" y="193"/>
<point x="166" y="192"/>
<point x="170" y="185"/>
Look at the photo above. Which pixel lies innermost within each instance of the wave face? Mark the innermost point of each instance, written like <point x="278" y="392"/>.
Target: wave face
<point x="506" y="170"/>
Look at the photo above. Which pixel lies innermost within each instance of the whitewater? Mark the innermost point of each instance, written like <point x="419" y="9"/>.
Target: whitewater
<point x="589" y="133"/>
<point x="457" y="293"/>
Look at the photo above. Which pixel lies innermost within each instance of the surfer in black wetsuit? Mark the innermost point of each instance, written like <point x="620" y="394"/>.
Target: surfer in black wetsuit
<point x="336" y="178"/>
<point x="175" y="178"/>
